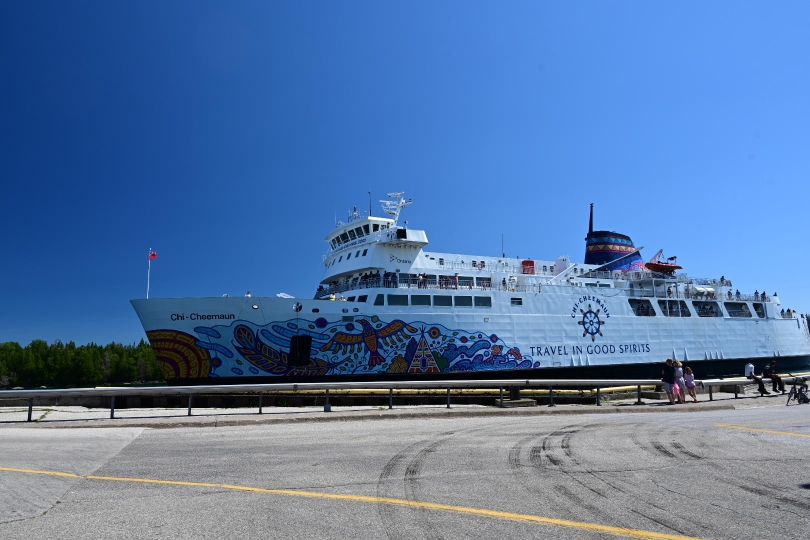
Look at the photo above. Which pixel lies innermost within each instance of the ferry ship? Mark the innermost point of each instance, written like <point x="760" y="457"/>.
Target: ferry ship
<point x="387" y="308"/>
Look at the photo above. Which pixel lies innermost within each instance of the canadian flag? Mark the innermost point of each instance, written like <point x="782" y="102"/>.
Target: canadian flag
<point x="152" y="255"/>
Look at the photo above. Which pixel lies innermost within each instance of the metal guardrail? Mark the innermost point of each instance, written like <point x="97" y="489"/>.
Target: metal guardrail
<point x="260" y="389"/>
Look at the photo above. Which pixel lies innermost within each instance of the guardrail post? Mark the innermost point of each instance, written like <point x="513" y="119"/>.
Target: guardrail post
<point x="189" y="404"/>
<point x="112" y="407"/>
<point x="638" y="399"/>
<point x="261" y="394"/>
<point x="598" y="396"/>
<point x="326" y="406"/>
<point x="390" y="398"/>
<point x="501" y="397"/>
<point x="550" y="396"/>
<point x="448" y="398"/>
<point x="30" y="409"/>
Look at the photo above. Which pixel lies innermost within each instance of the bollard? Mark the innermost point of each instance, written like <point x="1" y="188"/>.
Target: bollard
<point x="639" y="402"/>
<point x="112" y="407"/>
<point x="189" y="404"/>
<point x="514" y="393"/>
<point x="390" y="398"/>
<point x="448" y="398"/>
<point x="598" y="396"/>
<point x="710" y="394"/>
<point x="735" y="391"/>
<point x="30" y="409"/>
<point x="501" y="396"/>
<point x="550" y="396"/>
<point x="261" y="394"/>
<point x="326" y="406"/>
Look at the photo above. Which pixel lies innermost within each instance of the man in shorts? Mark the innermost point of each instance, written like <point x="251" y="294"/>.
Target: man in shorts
<point x="668" y="377"/>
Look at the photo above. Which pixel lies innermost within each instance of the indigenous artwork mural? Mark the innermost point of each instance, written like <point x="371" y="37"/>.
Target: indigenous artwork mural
<point x="364" y="346"/>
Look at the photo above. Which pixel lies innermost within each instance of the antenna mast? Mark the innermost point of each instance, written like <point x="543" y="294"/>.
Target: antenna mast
<point x="393" y="208"/>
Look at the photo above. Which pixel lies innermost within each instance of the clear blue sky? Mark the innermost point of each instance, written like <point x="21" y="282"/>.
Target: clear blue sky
<point x="227" y="135"/>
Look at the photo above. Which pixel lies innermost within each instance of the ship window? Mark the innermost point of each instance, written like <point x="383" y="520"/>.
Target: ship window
<point x="359" y="232"/>
<point x="347" y="318"/>
<point x="351" y="234"/>
<point x="483" y="301"/>
<point x="365" y="228"/>
<point x="407" y="279"/>
<point x="316" y="310"/>
<point x="707" y="309"/>
<point x="362" y="298"/>
<point x="344" y="237"/>
<point x="364" y="252"/>
<point x="759" y="308"/>
<point x="674" y="308"/>
<point x="357" y="254"/>
<point x="545" y="268"/>
<point x="463" y="301"/>
<point x="466" y="281"/>
<point x="341" y="258"/>
<point x="397" y="299"/>
<point x="441" y="300"/>
<point x="349" y="256"/>
<point x="376" y="227"/>
<point x="350" y="299"/>
<point x="420" y="300"/>
<point x="739" y="310"/>
<point x="380" y="300"/>
<point x="642" y="308"/>
<point x="517" y="301"/>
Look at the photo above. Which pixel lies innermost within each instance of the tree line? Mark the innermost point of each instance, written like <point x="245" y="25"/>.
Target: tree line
<point x="65" y="365"/>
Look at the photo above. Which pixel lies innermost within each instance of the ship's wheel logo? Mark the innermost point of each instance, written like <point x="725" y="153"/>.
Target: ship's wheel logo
<point x="591" y="325"/>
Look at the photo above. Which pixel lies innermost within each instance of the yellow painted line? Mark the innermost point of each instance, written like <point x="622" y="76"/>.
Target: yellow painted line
<point x="768" y="422"/>
<point x="592" y="527"/>
<point x="729" y="426"/>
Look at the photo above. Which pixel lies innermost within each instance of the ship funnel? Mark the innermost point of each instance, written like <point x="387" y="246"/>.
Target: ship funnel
<point x="605" y="247"/>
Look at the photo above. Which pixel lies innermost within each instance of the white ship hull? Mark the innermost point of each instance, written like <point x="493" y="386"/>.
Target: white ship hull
<point x="251" y="337"/>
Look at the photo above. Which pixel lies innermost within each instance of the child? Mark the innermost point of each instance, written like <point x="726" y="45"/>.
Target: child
<point x="689" y="379"/>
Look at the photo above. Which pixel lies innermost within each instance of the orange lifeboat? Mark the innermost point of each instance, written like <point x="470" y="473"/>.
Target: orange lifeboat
<point x="664" y="268"/>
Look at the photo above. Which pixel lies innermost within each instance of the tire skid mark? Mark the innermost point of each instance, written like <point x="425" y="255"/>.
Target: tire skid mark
<point x="386" y="512"/>
<point x="618" y="486"/>
<point x="394" y="522"/>
<point x="412" y="490"/>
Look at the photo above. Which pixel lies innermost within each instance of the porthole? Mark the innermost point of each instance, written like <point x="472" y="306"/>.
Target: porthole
<point x="315" y="310"/>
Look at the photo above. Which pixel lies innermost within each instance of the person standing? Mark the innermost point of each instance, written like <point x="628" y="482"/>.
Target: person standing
<point x="770" y="373"/>
<point x="749" y="374"/>
<point x="689" y="379"/>
<point x="681" y="384"/>
<point x="668" y="377"/>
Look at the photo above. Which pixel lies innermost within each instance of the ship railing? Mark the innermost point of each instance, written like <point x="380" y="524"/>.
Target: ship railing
<point x="660" y="292"/>
<point x="482" y="284"/>
<point x="431" y="284"/>
<point x="512" y="385"/>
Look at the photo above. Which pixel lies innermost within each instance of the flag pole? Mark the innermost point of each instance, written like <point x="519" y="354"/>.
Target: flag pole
<point x="148" y="272"/>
